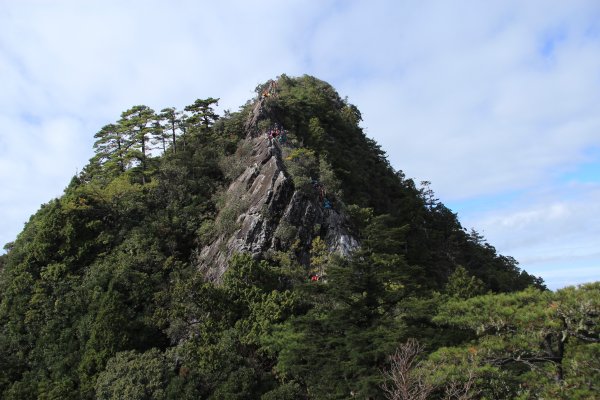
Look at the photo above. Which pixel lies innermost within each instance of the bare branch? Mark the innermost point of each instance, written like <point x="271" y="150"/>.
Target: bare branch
<point x="403" y="379"/>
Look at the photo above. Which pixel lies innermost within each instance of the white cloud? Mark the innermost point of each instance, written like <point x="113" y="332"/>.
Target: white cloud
<point x="551" y="234"/>
<point x="477" y="107"/>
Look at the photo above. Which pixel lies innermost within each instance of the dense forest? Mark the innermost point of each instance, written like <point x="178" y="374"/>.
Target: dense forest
<point x="102" y="295"/>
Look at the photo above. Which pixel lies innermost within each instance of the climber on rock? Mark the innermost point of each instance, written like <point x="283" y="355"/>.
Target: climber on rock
<point x="282" y="137"/>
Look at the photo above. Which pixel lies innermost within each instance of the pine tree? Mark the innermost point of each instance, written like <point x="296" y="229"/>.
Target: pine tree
<point x="202" y="113"/>
<point x="138" y="123"/>
<point x="172" y="121"/>
<point x="336" y="349"/>
<point x="111" y="147"/>
<point x="542" y="339"/>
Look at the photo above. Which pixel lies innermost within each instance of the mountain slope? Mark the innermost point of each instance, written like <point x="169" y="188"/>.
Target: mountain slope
<point x="134" y="271"/>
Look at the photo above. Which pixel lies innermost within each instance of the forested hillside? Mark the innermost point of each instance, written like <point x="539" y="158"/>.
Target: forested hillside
<point x="135" y="283"/>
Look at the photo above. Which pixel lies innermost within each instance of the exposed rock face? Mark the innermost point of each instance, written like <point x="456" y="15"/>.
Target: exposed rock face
<point x="272" y="214"/>
<point x="256" y="115"/>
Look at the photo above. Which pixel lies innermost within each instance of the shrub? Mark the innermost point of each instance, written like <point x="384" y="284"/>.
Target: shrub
<point x="233" y="165"/>
<point x="233" y="204"/>
<point x="302" y="165"/>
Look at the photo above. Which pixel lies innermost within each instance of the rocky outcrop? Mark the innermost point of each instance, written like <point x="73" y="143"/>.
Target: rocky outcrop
<point x="257" y="113"/>
<point x="270" y="214"/>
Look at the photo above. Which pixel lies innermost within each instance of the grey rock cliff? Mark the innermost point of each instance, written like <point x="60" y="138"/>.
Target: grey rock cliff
<point x="271" y="213"/>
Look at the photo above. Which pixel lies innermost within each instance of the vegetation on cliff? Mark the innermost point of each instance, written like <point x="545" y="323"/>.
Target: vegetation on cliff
<point x="101" y="296"/>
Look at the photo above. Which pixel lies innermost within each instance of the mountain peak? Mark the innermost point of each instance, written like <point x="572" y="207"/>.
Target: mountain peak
<point x="272" y="210"/>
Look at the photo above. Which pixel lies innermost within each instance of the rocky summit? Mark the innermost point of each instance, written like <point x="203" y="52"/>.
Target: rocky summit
<point x="272" y="213"/>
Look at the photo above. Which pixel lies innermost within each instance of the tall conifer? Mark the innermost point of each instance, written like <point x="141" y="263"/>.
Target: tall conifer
<point x="138" y="123"/>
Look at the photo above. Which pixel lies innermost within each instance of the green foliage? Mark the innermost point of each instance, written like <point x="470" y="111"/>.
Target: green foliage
<point x="220" y="326"/>
<point x="135" y="376"/>
<point x="540" y="342"/>
<point x="463" y="373"/>
<point x="319" y="257"/>
<point x="328" y="178"/>
<point x="336" y="348"/>
<point x="138" y="123"/>
<point x="171" y="117"/>
<point x="462" y="285"/>
<point x="302" y="165"/>
<point x="111" y="148"/>
<point x="529" y="345"/>
<point x="202" y="113"/>
<point x="79" y="282"/>
<point x="316" y="133"/>
<point x="287" y="391"/>
<point x="231" y="204"/>
<point x="233" y="165"/>
<point x="100" y="296"/>
<point x="285" y="233"/>
<point x="328" y="125"/>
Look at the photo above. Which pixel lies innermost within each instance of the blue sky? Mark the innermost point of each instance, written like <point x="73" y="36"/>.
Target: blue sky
<point x="496" y="102"/>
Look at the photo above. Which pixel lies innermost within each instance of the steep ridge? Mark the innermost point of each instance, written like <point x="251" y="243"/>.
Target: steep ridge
<point x="272" y="213"/>
<point x="106" y="285"/>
